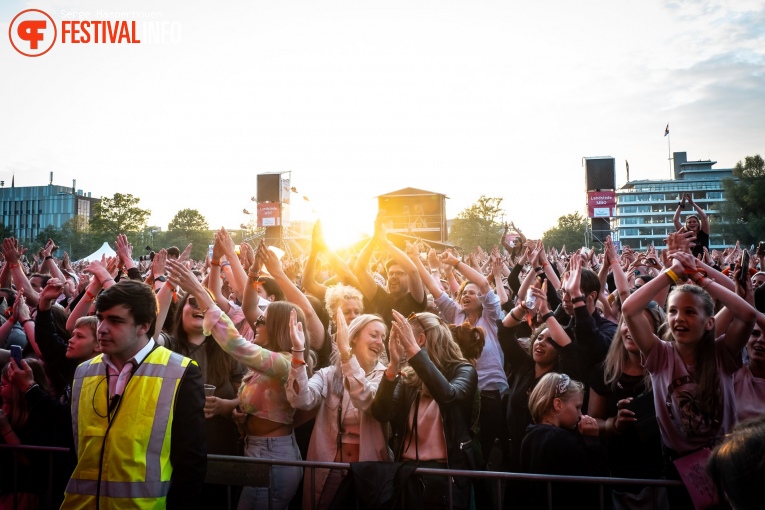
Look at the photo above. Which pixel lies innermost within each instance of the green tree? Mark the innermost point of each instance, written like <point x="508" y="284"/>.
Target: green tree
<point x="569" y="232"/>
<point x="76" y="239"/>
<point x="743" y="211"/>
<point x="188" y="220"/>
<point x="189" y="226"/>
<point x="117" y="215"/>
<point x="6" y="232"/>
<point x="478" y="225"/>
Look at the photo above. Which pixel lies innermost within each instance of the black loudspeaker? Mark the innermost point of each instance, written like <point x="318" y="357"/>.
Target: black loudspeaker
<point x="601" y="228"/>
<point x="269" y="187"/>
<point x="599" y="173"/>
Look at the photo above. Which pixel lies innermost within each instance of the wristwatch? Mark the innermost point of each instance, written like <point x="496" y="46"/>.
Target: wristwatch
<point x="160" y="278"/>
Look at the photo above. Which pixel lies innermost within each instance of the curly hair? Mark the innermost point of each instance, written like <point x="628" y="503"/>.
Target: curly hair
<point x="338" y="294"/>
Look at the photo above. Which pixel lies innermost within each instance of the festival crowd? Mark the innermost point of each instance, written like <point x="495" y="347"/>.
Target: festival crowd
<point x="525" y="359"/>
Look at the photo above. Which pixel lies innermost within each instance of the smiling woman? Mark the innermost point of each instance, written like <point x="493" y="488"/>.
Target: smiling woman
<point x="345" y="429"/>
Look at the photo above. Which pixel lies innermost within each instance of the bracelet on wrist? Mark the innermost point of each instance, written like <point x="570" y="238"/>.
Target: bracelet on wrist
<point x="48" y="257"/>
<point x="23" y="322"/>
<point x="389" y="375"/>
<point x="298" y="350"/>
<point x="514" y="317"/>
<point x="578" y="299"/>
<point x="345" y="358"/>
<point x="296" y="361"/>
<point x="673" y="276"/>
<point x="538" y="269"/>
<point x="547" y="316"/>
<point x="9" y="431"/>
<point x="214" y="262"/>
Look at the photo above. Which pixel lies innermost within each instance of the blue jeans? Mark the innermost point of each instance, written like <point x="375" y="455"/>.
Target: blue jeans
<point x="284" y="479"/>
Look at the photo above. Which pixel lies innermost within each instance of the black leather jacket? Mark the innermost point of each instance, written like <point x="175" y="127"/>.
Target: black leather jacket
<point x="454" y="392"/>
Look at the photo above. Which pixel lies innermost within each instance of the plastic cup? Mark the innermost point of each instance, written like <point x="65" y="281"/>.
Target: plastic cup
<point x="209" y="390"/>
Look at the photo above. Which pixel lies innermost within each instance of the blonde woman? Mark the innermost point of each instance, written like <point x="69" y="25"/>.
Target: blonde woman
<point x="345" y="430"/>
<point x="563" y="442"/>
<point x="429" y="406"/>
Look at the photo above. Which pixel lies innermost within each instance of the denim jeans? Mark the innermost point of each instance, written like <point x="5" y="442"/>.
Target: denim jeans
<point x="284" y="479"/>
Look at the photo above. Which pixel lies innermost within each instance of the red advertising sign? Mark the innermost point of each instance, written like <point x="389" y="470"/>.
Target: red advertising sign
<point x="601" y="204"/>
<point x="269" y="214"/>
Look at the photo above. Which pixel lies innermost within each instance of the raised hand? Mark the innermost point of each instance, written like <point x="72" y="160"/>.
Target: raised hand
<point x="50" y="293"/>
<point x="186" y="253"/>
<point x="343" y="342"/>
<point x="217" y="251"/>
<point x="21" y="309"/>
<point x="405" y="334"/>
<point x="179" y="274"/>
<point x="448" y="258"/>
<point x="12" y="250"/>
<point x="291" y="268"/>
<point x="159" y="264"/>
<point x="270" y="260"/>
<point x="573" y="285"/>
<point x="124" y="249"/>
<point x="297" y="336"/>
<point x="318" y="244"/>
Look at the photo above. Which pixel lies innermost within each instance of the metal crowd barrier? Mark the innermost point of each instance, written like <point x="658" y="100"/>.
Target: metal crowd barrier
<point x="233" y="471"/>
<point x="51" y="450"/>
<point x="219" y="463"/>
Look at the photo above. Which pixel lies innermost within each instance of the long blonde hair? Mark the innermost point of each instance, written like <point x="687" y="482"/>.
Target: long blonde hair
<point x="442" y="350"/>
<point x="616" y="358"/>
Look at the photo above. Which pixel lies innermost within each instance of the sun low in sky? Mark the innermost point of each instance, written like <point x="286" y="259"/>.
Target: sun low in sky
<point x="358" y="99"/>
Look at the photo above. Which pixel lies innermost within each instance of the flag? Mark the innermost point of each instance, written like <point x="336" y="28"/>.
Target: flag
<point x="628" y="169"/>
<point x="13" y="181"/>
<point x="666" y="130"/>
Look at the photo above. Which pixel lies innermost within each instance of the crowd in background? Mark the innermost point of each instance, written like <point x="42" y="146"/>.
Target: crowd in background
<point x="525" y="358"/>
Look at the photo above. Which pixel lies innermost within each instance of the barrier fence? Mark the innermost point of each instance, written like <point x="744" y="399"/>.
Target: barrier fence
<point x="233" y="471"/>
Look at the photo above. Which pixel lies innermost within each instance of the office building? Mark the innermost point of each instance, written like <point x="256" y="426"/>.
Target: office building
<point x="27" y="210"/>
<point x="644" y="209"/>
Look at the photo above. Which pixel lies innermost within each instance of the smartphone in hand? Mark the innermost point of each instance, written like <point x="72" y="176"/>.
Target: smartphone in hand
<point x="16" y="354"/>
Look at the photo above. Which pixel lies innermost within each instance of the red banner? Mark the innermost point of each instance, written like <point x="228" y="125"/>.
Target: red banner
<point x="269" y="214"/>
<point x="601" y="204"/>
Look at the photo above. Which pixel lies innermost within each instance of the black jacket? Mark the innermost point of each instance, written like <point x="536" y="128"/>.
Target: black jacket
<point x="454" y="392"/>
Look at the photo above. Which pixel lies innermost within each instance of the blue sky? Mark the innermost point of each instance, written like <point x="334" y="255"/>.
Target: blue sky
<point x="359" y="99"/>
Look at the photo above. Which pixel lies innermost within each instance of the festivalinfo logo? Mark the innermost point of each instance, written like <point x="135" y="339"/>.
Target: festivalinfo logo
<point x="33" y="32"/>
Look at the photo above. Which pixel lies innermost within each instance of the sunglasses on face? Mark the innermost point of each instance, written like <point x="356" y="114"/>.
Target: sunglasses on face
<point x="756" y="333"/>
<point x="192" y="302"/>
<point x="396" y="274"/>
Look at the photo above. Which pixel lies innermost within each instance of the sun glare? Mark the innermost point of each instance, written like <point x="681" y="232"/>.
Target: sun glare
<point x="339" y="236"/>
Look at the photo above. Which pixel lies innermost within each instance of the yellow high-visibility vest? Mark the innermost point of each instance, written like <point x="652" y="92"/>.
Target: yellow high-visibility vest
<point x="130" y="444"/>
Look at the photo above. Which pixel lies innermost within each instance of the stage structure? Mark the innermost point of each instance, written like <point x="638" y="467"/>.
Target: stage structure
<point x="600" y="185"/>
<point x="412" y="214"/>
<point x="273" y="215"/>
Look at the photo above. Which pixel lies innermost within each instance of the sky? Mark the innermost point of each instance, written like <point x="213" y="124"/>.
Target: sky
<point x="361" y="98"/>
